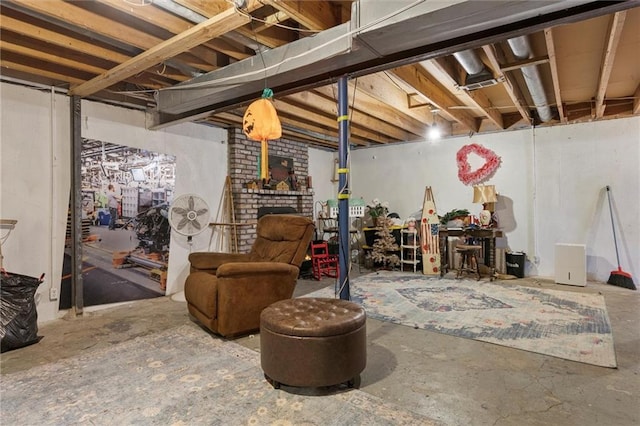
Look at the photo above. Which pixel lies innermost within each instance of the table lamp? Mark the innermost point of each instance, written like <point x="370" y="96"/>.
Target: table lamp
<point x="486" y="195"/>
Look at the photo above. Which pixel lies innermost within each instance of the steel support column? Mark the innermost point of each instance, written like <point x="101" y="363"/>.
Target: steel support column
<point x="343" y="189"/>
<point x="77" y="298"/>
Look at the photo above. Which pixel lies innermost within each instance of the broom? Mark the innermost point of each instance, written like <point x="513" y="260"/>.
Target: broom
<point x="618" y="278"/>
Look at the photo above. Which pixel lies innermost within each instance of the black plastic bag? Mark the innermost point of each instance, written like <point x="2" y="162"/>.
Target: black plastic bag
<point x="18" y="315"/>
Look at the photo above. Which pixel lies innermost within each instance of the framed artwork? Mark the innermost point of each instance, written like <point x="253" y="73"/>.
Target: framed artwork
<point x="280" y="167"/>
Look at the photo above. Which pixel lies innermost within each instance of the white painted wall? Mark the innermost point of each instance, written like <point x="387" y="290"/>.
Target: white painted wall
<point x="551" y="182"/>
<point x="551" y="185"/>
<point x="35" y="185"/>
<point x="321" y="170"/>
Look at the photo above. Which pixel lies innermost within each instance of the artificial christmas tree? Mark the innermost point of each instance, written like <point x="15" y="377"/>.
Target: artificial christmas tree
<point x="385" y="248"/>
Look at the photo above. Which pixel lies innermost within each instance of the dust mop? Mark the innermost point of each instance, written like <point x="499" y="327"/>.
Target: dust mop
<point x="618" y="278"/>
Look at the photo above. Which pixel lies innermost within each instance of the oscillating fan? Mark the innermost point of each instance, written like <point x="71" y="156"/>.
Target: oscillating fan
<point x="189" y="215"/>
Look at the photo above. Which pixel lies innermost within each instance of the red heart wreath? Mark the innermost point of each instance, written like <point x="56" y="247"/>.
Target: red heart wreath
<point x="466" y="176"/>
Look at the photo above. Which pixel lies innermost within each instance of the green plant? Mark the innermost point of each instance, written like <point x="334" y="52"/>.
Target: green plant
<point x="378" y="208"/>
<point x="455" y="213"/>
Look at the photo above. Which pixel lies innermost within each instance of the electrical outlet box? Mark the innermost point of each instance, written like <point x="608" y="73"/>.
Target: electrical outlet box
<point x="53" y="293"/>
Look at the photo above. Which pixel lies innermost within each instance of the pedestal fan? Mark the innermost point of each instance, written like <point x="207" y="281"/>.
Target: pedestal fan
<point x="188" y="215"/>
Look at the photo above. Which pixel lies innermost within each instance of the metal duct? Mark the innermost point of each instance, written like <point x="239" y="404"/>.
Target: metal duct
<point x="522" y="50"/>
<point x="469" y="61"/>
<point x="478" y="76"/>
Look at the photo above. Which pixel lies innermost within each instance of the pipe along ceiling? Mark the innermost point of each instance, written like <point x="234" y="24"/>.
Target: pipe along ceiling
<point x="470" y="61"/>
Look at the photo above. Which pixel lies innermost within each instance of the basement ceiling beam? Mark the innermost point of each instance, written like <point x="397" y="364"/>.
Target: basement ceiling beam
<point x="270" y="37"/>
<point x="362" y="101"/>
<point x="172" y="23"/>
<point x="110" y="31"/>
<point x="55" y="38"/>
<point x="270" y="21"/>
<point x="486" y="22"/>
<point x="509" y="85"/>
<point x="211" y="28"/>
<point x="615" y="30"/>
<point x="381" y="87"/>
<point x="478" y="98"/>
<point x="49" y="57"/>
<point x="325" y="120"/>
<point x="358" y="119"/>
<point x="553" y="65"/>
<point x="314" y="15"/>
<point x="4" y="63"/>
<point x="292" y="129"/>
<point x="516" y="65"/>
<point x="416" y="77"/>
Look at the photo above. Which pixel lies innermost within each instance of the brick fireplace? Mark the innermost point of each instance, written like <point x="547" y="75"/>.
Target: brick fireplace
<point x="243" y="167"/>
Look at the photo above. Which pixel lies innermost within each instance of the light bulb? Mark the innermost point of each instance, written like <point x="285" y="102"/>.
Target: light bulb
<point x="434" y="132"/>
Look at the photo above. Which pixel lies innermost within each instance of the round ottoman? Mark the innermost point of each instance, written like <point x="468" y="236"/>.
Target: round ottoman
<point x="313" y="342"/>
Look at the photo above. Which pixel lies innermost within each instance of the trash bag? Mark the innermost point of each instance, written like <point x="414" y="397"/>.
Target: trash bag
<point x="18" y="315"/>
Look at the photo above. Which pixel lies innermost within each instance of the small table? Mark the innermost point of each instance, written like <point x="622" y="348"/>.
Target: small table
<point x="488" y="237"/>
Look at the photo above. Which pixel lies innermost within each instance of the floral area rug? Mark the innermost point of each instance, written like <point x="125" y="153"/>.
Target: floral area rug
<point x="181" y="376"/>
<point x="568" y="325"/>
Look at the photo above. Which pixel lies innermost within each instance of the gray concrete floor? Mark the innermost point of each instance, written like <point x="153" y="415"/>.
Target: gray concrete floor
<point x="452" y="380"/>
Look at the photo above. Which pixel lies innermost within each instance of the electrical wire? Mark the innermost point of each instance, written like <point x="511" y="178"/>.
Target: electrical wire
<point x="272" y="24"/>
<point x="139" y="3"/>
<point x="294" y="57"/>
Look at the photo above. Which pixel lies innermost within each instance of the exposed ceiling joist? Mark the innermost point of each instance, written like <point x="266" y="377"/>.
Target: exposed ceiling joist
<point x="553" y="65"/>
<point x="200" y="33"/>
<point x="112" y="50"/>
<point x="421" y="81"/>
<point x="615" y="30"/>
<point x="314" y="15"/>
<point x="507" y="83"/>
<point x="476" y="97"/>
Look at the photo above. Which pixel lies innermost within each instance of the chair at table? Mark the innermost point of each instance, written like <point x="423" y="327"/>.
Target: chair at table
<point x="323" y="263"/>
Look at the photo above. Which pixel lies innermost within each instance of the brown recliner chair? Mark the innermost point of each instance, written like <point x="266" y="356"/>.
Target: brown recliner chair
<point x="226" y="292"/>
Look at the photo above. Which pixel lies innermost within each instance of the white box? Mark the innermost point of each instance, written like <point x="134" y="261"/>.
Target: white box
<point x="571" y="264"/>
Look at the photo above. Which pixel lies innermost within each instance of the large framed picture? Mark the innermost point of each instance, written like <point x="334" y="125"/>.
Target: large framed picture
<point x="280" y="167"/>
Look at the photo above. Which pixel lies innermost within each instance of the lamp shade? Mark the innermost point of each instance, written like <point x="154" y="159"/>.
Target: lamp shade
<point x="484" y="194"/>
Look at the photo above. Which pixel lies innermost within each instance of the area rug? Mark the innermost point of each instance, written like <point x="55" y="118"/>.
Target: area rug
<point x="563" y="324"/>
<point x="182" y="376"/>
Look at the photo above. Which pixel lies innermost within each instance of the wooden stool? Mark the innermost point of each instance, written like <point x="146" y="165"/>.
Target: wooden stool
<point x="468" y="260"/>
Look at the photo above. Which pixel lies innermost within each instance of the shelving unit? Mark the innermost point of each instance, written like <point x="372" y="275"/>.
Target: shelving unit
<point x="409" y="246"/>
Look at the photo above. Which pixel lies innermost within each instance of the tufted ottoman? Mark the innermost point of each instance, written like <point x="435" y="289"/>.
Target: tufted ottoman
<point x="313" y="342"/>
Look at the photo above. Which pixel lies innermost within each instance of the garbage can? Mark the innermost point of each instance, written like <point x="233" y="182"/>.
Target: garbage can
<point x="104" y="217"/>
<point x="515" y="263"/>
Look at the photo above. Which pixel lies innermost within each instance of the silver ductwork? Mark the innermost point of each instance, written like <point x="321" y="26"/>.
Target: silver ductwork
<point x="469" y="61"/>
<point x="522" y="50"/>
<point x="478" y="76"/>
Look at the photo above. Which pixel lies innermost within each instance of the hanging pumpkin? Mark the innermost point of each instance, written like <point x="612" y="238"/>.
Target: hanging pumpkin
<point x="261" y="123"/>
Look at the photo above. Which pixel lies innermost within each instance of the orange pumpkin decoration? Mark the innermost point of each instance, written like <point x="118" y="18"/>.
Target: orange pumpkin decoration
<point x="261" y="123"/>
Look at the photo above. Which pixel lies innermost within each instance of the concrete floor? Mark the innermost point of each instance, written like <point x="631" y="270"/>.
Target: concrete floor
<point x="453" y="380"/>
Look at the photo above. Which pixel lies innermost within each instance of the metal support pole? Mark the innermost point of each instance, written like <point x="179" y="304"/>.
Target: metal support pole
<point x="343" y="189"/>
<point x="77" y="300"/>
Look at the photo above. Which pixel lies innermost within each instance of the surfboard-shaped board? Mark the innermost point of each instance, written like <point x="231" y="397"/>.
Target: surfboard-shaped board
<point x="429" y="235"/>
